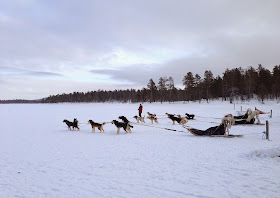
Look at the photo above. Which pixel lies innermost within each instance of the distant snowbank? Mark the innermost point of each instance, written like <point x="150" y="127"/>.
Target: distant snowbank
<point x="267" y="153"/>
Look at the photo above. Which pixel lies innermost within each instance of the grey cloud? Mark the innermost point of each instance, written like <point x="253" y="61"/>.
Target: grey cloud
<point x="11" y="71"/>
<point x="54" y="36"/>
<point x="96" y="26"/>
<point x="45" y="74"/>
<point x="138" y="75"/>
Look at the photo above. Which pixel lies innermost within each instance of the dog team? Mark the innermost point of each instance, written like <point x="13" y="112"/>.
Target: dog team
<point x="125" y="124"/>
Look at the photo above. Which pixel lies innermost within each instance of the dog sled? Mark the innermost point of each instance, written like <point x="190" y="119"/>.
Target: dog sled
<point x="249" y="117"/>
<point x="216" y="130"/>
<point x="243" y="119"/>
<point x="221" y="130"/>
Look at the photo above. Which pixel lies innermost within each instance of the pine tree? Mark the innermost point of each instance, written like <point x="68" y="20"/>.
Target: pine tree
<point x="171" y="89"/>
<point x="162" y="87"/>
<point x="188" y="82"/>
<point x="264" y="82"/>
<point x="198" y="87"/>
<point x="251" y="76"/>
<point x="276" y="81"/>
<point x="208" y="78"/>
<point x="152" y="88"/>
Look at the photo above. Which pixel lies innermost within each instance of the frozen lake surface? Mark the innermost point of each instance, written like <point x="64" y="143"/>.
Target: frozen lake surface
<point x="40" y="158"/>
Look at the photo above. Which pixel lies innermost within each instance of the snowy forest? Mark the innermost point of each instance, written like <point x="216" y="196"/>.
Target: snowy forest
<point x="235" y="84"/>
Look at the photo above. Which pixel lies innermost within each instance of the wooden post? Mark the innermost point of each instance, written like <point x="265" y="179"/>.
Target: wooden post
<point x="241" y="108"/>
<point x="267" y="130"/>
<point x="234" y="106"/>
<point x="271" y="113"/>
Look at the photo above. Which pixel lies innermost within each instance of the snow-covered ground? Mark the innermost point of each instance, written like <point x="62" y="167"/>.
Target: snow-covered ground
<point x="40" y="158"/>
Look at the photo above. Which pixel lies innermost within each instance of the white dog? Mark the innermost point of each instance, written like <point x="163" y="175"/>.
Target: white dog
<point x="252" y="115"/>
<point x="138" y="118"/>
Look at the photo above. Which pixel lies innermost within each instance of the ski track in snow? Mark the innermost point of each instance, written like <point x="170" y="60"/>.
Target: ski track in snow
<point x="41" y="158"/>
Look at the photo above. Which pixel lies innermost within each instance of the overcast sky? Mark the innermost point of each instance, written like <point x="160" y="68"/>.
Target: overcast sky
<point x="51" y="47"/>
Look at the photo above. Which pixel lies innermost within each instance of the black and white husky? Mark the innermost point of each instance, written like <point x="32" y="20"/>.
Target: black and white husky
<point x="189" y="116"/>
<point x="126" y="127"/>
<point x="178" y="118"/>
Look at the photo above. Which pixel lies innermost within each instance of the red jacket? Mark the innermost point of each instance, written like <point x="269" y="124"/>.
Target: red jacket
<point x="140" y="109"/>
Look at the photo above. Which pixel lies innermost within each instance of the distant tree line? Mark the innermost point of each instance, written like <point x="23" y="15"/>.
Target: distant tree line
<point x="237" y="83"/>
<point x="19" y="101"/>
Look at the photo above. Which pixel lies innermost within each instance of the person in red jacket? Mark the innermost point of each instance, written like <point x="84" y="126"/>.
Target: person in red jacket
<point x="140" y="110"/>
